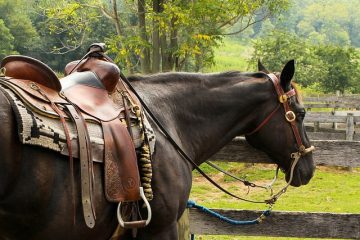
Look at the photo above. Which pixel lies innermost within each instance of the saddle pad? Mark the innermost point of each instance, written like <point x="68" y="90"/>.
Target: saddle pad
<point x="43" y="131"/>
<point x="39" y="130"/>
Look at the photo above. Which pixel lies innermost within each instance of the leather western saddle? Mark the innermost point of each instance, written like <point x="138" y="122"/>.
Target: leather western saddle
<point x="83" y="95"/>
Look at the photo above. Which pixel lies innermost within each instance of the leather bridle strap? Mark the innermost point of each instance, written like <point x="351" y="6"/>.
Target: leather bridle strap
<point x="289" y="114"/>
<point x="265" y="121"/>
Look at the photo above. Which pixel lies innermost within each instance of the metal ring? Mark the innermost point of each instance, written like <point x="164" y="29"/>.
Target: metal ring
<point x="62" y="94"/>
<point x="34" y="86"/>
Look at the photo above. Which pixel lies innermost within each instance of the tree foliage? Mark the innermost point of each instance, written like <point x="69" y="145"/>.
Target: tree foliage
<point x="329" y="67"/>
<point x="17" y="31"/>
<point x="320" y="21"/>
<point x="155" y="35"/>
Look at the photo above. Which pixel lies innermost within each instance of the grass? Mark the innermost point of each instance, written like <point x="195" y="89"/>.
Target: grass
<point x="331" y="190"/>
<point x="231" y="55"/>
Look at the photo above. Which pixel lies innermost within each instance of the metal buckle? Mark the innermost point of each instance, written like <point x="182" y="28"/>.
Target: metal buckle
<point x="283" y="98"/>
<point x="290" y="116"/>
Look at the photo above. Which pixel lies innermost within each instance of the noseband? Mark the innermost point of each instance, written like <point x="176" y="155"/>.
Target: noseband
<point x="290" y="118"/>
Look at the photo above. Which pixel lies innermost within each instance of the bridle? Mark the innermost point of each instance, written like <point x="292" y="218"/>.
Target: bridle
<point x="283" y="98"/>
<point x="289" y="116"/>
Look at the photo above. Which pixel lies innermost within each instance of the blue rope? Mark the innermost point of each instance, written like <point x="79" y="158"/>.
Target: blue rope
<point x="266" y="213"/>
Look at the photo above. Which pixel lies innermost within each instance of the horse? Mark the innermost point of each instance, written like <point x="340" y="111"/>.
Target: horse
<point x="201" y="113"/>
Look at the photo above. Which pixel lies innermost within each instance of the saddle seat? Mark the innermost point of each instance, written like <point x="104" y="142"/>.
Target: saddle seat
<point x="84" y="87"/>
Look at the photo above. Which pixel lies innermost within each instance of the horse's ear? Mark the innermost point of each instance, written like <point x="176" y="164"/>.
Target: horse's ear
<point x="261" y="67"/>
<point x="287" y="74"/>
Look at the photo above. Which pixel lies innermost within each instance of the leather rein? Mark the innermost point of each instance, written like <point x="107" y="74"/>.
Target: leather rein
<point x="289" y="116"/>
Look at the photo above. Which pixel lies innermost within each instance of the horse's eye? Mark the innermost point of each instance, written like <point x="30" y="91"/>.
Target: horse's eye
<point x="301" y="114"/>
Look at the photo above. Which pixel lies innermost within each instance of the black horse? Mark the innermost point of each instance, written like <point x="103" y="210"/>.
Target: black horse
<point x="202" y="113"/>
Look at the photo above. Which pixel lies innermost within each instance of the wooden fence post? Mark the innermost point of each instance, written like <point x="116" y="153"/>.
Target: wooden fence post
<point x="184" y="226"/>
<point x="316" y="126"/>
<point x="350" y="129"/>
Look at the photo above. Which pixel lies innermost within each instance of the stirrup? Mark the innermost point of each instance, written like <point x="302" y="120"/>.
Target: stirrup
<point x="135" y="224"/>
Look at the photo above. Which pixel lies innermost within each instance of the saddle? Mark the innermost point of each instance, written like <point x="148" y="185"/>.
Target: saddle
<point x="83" y="95"/>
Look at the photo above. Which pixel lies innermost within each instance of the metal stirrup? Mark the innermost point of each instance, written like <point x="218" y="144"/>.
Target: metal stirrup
<point x="135" y="224"/>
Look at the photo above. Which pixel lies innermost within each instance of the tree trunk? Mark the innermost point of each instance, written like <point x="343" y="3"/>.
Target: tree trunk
<point x="173" y="43"/>
<point x="116" y="18"/>
<point x="145" y="54"/>
<point x="165" y="53"/>
<point x="167" y="50"/>
<point x="156" y="38"/>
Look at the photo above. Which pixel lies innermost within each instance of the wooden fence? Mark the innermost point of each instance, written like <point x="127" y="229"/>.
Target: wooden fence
<point x="343" y="150"/>
<point x="281" y="223"/>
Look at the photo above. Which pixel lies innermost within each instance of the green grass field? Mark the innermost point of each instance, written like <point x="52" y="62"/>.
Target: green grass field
<point x="230" y="56"/>
<point x="331" y="189"/>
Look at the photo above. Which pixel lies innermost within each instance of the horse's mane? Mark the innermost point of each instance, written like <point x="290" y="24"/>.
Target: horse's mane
<point x="221" y="76"/>
<point x="189" y="76"/>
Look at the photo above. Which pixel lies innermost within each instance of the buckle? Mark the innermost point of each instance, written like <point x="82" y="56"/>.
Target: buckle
<point x="283" y="98"/>
<point x="290" y="116"/>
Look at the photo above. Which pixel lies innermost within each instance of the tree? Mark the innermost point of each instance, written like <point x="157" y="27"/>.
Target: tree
<point x="160" y="35"/>
<point x="278" y="47"/>
<point x="17" y="29"/>
<point x="6" y="40"/>
<point x="321" y="21"/>
<point x="342" y="68"/>
<point x="331" y="67"/>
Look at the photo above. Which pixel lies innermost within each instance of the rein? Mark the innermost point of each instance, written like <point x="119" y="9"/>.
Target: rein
<point x="289" y="115"/>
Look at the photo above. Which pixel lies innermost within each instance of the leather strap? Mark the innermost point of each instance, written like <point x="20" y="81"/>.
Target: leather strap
<point x="68" y="143"/>
<point x="85" y="166"/>
<point x="265" y="121"/>
<point x="283" y="98"/>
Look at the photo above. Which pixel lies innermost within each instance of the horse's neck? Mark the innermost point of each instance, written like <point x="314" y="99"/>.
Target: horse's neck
<point x="204" y="116"/>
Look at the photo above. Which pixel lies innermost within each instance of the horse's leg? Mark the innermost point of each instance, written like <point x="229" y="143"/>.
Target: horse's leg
<point x="171" y="185"/>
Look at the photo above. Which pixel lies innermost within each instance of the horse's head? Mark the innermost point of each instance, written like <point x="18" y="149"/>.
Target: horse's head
<point x="280" y="131"/>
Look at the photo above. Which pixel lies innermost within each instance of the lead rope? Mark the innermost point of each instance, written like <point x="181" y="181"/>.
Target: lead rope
<point x="191" y="204"/>
<point x="246" y="182"/>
